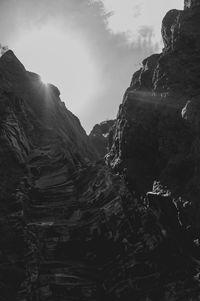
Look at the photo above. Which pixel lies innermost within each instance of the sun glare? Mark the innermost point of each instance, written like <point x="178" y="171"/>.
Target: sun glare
<point x="43" y="80"/>
<point x="63" y="59"/>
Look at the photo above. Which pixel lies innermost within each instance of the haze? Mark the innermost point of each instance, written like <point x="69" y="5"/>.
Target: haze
<point x="89" y="49"/>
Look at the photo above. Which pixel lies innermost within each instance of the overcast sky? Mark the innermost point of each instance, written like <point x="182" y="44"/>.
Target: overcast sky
<point x="88" y="48"/>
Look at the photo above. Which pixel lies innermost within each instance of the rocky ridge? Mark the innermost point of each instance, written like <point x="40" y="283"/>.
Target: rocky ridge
<point x="157" y="130"/>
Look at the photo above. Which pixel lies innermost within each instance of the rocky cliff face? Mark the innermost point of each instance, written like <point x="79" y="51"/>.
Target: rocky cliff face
<point x="70" y="228"/>
<point x="99" y="136"/>
<point x="157" y="130"/>
<point x="41" y="145"/>
<point x="191" y="3"/>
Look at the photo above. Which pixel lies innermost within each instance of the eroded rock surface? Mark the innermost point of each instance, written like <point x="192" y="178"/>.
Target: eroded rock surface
<point x="191" y="3"/>
<point x="156" y="136"/>
<point x="100" y="136"/>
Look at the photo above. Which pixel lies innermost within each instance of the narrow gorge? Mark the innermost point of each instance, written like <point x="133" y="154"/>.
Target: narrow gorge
<point x="114" y="215"/>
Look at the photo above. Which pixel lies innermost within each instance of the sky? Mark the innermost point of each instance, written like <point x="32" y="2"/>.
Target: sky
<point x="89" y="49"/>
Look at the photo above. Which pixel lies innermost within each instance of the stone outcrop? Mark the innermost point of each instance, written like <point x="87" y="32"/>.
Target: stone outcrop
<point x="39" y="137"/>
<point x="100" y="136"/>
<point x="156" y="136"/>
<point x="191" y="3"/>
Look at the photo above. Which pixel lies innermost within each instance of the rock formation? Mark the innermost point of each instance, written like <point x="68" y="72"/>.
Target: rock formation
<point x="156" y="137"/>
<point x="99" y="136"/>
<point x="191" y="3"/>
<point x="72" y="228"/>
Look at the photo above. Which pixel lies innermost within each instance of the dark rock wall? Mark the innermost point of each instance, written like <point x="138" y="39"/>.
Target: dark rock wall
<point x="39" y="137"/>
<point x="100" y="136"/>
<point x="155" y="137"/>
<point x="191" y="3"/>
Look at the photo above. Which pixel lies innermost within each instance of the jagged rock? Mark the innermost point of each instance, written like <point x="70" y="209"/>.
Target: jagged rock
<point x="191" y="3"/>
<point x="157" y="129"/>
<point x="99" y="136"/>
<point x="170" y="29"/>
<point x="181" y="35"/>
<point x="38" y="135"/>
<point x="191" y="113"/>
